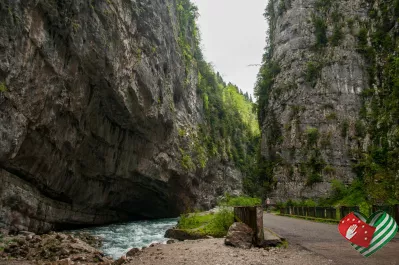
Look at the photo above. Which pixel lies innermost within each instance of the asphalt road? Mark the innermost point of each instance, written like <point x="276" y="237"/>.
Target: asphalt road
<point x="325" y="240"/>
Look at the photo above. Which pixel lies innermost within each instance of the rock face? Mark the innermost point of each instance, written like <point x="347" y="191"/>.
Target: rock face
<point x="92" y="96"/>
<point x="311" y="118"/>
<point x="239" y="235"/>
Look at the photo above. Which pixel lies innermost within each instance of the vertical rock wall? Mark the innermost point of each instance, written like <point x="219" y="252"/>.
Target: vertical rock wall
<point x="92" y="96"/>
<point x="315" y="100"/>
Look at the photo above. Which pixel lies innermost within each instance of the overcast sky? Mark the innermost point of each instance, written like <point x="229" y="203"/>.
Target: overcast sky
<point x="233" y="36"/>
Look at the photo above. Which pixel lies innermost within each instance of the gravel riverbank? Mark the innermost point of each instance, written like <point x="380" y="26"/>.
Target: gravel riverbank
<point x="214" y="252"/>
<point x="60" y="249"/>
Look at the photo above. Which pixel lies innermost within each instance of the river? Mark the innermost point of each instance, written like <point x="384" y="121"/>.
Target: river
<point x="119" y="238"/>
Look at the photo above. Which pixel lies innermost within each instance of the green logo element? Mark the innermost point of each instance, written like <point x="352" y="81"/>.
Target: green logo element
<point x="386" y="229"/>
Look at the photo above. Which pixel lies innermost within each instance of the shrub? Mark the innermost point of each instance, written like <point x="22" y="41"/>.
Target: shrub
<point x="309" y="203"/>
<point x="320" y="31"/>
<point x="312" y="72"/>
<point x="3" y="87"/>
<point x="312" y="135"/>
<point x="329" y="170"/>
<point x="337" y="36"/>
<point x="322" y="5"/>
<point x="350" y="23"/>
<point x="360" y="129"/>
<point x="220" y="223"/>
<point x="331" y="116"/>
<point x="345" y="128"/>
<point x="338" y="189"/>
<point x="182" y="132"/>
<point x="186" y="161"/>
<point x="240" y="201"/>
<point x="194" y="220"/>
<point x="313" y="179"/>
<point x="326" y="140"/>
<point x="362" y="37"/>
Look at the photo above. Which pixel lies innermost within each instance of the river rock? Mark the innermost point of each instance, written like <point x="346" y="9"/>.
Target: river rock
<point x="120" y="261"/>
<point x="183" y="235"/>
<point x="4" y="232"/>
<point x="67" y="261"/>
<point x="26" y="233"/>
<point x="239" y="235"/>
<point x="133" y="252"/>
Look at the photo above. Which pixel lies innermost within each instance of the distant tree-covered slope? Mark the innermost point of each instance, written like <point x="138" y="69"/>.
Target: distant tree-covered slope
<point x="230" y="131"/>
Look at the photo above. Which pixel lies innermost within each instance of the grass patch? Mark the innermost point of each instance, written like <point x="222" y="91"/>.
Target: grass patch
<point x="240" y="201"/>
<point x="215" y="225"/>
<point x="191" y="221"/>
<point x="284" y="244"/>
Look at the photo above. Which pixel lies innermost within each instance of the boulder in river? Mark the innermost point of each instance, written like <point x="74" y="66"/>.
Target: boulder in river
<point x="239" y="235"/>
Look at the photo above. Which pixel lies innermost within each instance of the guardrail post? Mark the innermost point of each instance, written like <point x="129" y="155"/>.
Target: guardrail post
<point x="253" y="217"/>
<point x="396" y="213"/>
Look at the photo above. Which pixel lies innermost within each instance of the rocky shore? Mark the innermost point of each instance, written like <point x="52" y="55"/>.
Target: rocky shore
<point x="52" y="248"/>
<point x="81" y="248"/>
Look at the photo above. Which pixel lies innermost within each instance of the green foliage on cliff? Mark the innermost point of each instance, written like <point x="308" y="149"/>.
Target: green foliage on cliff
<point x="230" y="131"/>
<point x="312" y="72"/>
<point x="186" y="161"/>
<point x="231" y="124"/>
<point x="261" y="181"/>
<point x="312" y="136"/>
<point x="378" y="166"/>
<point x="337" y="35"/>
<point x="188" y="35"/>
<point x="320" y="31"/>
<point x="3" y="87"/>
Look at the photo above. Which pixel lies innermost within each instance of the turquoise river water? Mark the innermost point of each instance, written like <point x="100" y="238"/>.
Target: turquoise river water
<point x="119" y="238"/>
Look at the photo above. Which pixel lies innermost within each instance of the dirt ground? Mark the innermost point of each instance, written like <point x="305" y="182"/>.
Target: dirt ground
<point x="214" y="252"/>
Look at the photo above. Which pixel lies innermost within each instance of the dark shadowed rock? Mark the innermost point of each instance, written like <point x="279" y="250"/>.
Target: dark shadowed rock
<point x="239" y="235"/>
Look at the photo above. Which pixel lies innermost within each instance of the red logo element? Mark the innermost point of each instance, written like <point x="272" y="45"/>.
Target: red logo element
<point x="355" y="230"/>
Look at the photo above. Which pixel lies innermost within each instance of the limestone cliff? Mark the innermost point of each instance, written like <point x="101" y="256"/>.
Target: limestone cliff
<point x="94" y="97"/>
<point x="310" y="94"/>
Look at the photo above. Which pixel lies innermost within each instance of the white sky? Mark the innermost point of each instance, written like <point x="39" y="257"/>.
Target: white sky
<point x="233" y="36"/>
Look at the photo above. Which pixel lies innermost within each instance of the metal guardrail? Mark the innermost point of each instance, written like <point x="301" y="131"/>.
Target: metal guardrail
<point x="337" y="213"/>
<point x="316" y="212"/>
